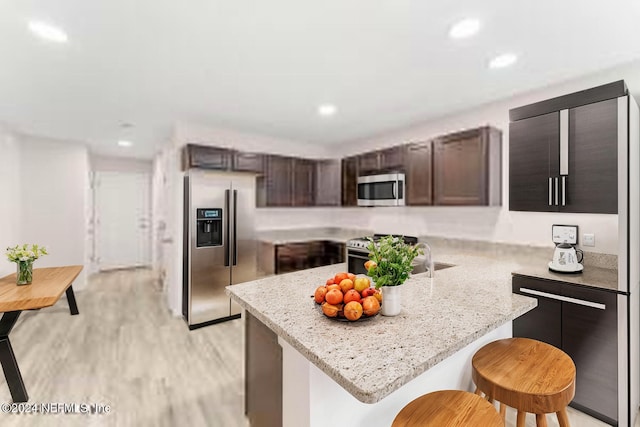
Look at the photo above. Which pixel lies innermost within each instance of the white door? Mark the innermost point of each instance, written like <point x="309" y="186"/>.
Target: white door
<point x="123" y="219"/>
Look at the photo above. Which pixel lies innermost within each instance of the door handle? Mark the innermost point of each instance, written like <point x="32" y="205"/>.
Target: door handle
<point x="586" y="303"/>
<point x="393" y="189"/>
<point x="550" y="191"/>
<point x="556" y="188"/>
<point x="226" y="234"/>
<point x="564" y="198"/>
<point x="235" y="227"/>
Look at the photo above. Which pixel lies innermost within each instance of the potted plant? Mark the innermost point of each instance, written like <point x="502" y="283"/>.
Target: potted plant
<point x="390" y="266"/>
<point x="23" y="256"/>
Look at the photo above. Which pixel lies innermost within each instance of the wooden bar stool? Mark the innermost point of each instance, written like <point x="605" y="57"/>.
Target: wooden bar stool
<point x="448" y="408"/>
<point x="528" y="375"/>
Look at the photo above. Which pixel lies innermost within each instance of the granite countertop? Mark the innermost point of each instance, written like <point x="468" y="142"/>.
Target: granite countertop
<point x="372" y="358"/>
<point x="281" y="237"/>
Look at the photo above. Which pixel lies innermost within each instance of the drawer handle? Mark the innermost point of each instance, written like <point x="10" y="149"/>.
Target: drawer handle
<point x="592" y="304"/>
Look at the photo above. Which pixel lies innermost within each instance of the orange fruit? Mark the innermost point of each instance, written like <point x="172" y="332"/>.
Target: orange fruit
<point x="332" y="287"/>
<point x="378" y="296"/>
<point x="351" y="276"/>
<point x="340" y="277"/>
<point x="370" y="306"/>
<point x="334" y="296"/>
<point x="346" y="285"/>
<point x="370" y="264"/>
<point x="329" y="310"/>
<point x="321" y="291"/>
<point x="351" y="295"/>
<point x="330" y="282"/>
<point x="353" y="310"/>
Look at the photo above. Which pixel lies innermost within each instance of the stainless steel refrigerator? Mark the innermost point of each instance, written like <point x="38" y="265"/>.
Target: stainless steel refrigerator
<point x="219" y="245"/>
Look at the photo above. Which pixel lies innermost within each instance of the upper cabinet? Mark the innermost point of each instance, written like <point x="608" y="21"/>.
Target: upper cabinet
<point x="389" y="159"/>
<point x="418" y="174"/>
<point x="566" y="159"/>
<point x="206" y="157"/>
<point x="466" y="168"/>
<point x="248" y="162"/>
<point x="303" y="182"/>
<point x="350" y="181"/>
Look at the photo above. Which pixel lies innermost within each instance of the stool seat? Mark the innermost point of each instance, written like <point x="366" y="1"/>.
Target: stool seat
<point x="448" y="408"/>
<point x="528" y="375"/>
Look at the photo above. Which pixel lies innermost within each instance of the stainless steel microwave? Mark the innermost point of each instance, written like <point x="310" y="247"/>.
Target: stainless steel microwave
<point x="381" y="190"/>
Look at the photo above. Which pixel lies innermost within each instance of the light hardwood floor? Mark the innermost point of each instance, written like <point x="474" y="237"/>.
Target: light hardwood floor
<point x="127" y="351"/>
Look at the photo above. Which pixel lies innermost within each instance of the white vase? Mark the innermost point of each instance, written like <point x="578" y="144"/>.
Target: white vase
<point x="390" y="301"/>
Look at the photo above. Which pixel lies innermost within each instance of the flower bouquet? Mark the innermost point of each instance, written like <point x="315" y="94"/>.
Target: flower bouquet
<point x="23" y="256"/>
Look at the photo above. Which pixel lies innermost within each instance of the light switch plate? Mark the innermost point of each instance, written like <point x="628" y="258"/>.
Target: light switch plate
<point x="565" y="234"/>
<point x="589" y="239"/>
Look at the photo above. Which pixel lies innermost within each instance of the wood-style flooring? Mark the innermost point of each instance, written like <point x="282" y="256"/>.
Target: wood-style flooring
<point x="127" y="351"/>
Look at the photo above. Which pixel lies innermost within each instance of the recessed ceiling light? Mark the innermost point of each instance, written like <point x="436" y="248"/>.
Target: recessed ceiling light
<point x="327" y="110"/>
<point x="48" y="32"/>
<point x="125" y="143"/>
<point x="465" y="28"/>
<point x="504" y="60"/>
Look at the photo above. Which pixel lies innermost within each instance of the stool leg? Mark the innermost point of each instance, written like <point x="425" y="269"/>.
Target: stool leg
<point x="520" y="419"/>
<point x="563" y="419"/>
<point x="541" y="420"/>
<point x="503" y="411"/>
<point x="478" y="392"/>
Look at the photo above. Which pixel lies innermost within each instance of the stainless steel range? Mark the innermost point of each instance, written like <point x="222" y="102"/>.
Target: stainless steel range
<point x="358" y="254"/>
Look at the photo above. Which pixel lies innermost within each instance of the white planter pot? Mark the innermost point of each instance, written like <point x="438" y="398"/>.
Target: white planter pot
<point x="390" y="301"/>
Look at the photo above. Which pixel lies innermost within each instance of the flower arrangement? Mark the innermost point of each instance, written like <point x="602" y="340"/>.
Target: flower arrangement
<point x="23" y="256"/>
<point x="392" y="259"/>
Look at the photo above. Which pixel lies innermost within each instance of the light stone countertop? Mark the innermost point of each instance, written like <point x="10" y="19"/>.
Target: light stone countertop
<point x="372" y="358"/>
<point x="299" y="235"/>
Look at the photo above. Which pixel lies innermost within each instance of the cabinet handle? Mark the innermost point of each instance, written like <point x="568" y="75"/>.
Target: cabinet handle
<point x="564" y="142"/>
<point x="556" y="188"/>
<point x="591" y="304"/>
<point x="550" y="191"/>
<point x="564" y="190"/>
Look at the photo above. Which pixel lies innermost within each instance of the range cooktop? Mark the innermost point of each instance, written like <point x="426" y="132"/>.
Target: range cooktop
<point x="363" y="242"/>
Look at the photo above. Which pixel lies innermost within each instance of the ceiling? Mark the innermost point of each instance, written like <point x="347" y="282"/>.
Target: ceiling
<point x="265" y="66"/>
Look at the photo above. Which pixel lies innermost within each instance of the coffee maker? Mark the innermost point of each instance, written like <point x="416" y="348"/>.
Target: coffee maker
<point x="566" y="258"/>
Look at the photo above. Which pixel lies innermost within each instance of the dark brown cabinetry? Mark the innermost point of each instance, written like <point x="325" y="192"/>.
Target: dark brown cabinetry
<point x="418" y="174"/>
<point x="303" y="173"/>
<point x="277" y="181"/>
<point x="563" y="155"/>
<point x="350" y="181"/>
<point x="248" y="162"/>
<point x="389" y="159"/>
<point x="200" y="156"/>
<point x="462" y="167"/>
<point x="328" y="181"/>
<point x="303" y="255"/>
<point x="583" y="323"/>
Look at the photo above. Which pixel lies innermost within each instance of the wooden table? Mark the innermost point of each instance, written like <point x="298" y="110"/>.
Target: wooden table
<point x="46" y="289"/>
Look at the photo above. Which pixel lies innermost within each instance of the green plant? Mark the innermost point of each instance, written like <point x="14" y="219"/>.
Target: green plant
<point x="392" y="258"/>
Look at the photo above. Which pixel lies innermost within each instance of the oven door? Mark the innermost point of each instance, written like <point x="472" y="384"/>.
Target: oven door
<point x="381" y="190"/>
<point x="356" y="260"/>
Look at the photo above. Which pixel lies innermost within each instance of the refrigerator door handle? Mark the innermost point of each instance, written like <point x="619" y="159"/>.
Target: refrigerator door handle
<point x="235" y="227"/>
<point x="226" y="234"/>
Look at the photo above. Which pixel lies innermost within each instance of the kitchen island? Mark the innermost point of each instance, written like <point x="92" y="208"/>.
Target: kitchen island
<point x="363" y="373"/>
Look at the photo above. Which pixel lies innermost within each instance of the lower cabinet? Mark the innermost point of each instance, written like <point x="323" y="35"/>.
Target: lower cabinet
<point x="583" y="323"/>
<point x="289" y="257"/>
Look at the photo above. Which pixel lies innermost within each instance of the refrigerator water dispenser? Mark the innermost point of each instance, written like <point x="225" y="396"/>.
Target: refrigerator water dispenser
<point x="209" y="227"/>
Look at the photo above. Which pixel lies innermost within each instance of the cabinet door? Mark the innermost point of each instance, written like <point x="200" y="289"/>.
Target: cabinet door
<point x="592" y="184"/>
<point x="278" y="181"/>
<point x="589" y="336"/>
<point x="248" y="162"/>
<point x="350" y="181"/>
<point x="202" y="156"/>
<point x="533" y="160"/>
<point x="303" y="184"/>
<point x="391" y="159"/>
<point x="328" y="183"/>
<point x="543" y="323"/>
<point x="369" y="163"/>
<point x="460" y="170"/>
<point x="418" y="174"/>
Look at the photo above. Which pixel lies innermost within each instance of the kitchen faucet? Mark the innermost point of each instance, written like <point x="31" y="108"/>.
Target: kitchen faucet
<point x="428" y="261"/>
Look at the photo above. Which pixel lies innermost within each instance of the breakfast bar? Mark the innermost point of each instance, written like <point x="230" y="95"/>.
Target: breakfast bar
<point x="363" y="373"/>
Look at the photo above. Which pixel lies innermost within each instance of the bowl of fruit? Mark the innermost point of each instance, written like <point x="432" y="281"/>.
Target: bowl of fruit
<point x="348" y="298"/>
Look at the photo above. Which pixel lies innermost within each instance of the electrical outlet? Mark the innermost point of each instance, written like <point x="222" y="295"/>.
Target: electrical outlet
<point x="589" y="239"/>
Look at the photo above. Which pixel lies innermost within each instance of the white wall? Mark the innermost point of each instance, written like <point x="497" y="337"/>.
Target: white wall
<point x="11" y="197"/>
<point x="54" y="186"/>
